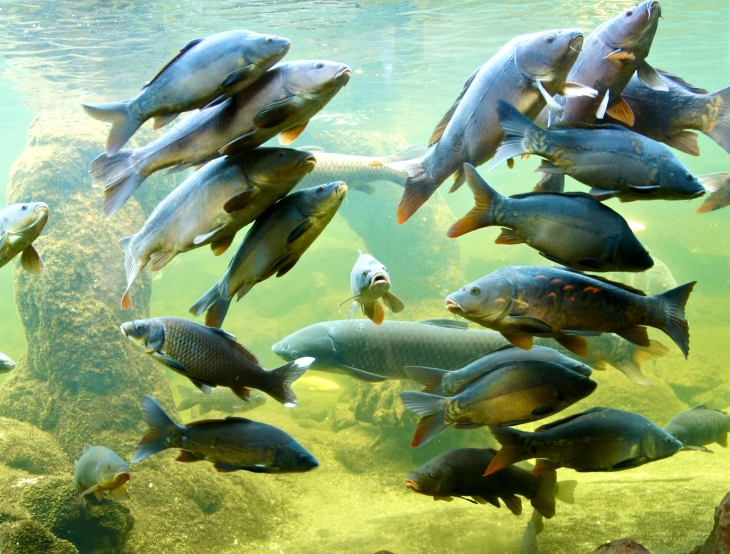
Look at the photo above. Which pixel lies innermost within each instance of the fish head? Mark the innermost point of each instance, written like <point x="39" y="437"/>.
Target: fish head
<point x="629" y="252"/>
<point x="370" y="277"/>
<point x="148" y="334"/>
<point x="293" y="458"/>
<point x="6" y="364"/>
<point x="656" y="443"/>
<point x="549" y="55"/>
<point x="26" y="219"/>
<point x="633" y="29"/>
<point x="571" y="364"/>
<point x="314" y="341"/>
<point x="484" y="301"/>
<point x="278" y="168"/>
<point x="434" y="478"/>
<point x="322" y="199"/>
<point x="257" y="399"/>
<point x="677" y="431"/>
<point x="317" y="77"/>
<point x="111" y="471"/>
<point x="262" y="50"/>
<point x="678" y="182"/>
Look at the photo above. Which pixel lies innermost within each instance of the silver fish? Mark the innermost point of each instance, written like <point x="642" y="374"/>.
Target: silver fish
<point x="220" y="399"/>
<point x="6" y="364"/>
<point x="20" y="226"/>
<point x="369" y="282"/>
<point x="100" y="469"/>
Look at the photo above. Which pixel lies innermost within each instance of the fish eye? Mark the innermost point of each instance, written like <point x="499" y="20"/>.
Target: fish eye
<point x="475" y="291"/>
<point x="25" y="207"/>
<point x="294" y="353"/>
<point x="320" y="188"/>
<point x="690" y="177"/>
<point x="629" y="13"/>
<point x="433" y="474"/>
<point x="550" y="38"/>
<point x="668" y="440"/>
<point x="318" y="65"/>
<point x="106" y="466"/>
<point x="269" y="40"/>
<point x="138" y="326"/>
<point x="282" y="153"/>
<point x="364" y="273"/>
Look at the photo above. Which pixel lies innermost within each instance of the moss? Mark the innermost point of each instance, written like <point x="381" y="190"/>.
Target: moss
<point x="22" y="446"/>
<point x="30" y="537"/>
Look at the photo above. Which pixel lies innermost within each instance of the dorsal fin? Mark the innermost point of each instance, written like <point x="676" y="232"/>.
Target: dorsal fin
<point x="566" y="419"/>
<point x="439" y="130"/>
<point x="226" y="335"/>
<point x="87" y="447"/>
<point x="446" y="323"/>
<point x="681" y="82"/>
<point x="184" y="49"/>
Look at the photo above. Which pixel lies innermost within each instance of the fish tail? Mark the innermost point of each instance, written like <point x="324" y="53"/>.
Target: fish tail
<point x="215" y="304"/>
<point x="132" y="268"/>
<point x="161" y="427"/>
<point x="544" y="501"/>
<point x="517" y="128"/>
<point x="124" y="119"/>
<point x="720" y="132"/>
<point x="719" y="185"/>
<point x="286" y="375"/>
<point x="512" y="450"/>
<point x="121" y="176"/>
<point x="188" y="399"/>
<point x="673" y="322"/>
<point x="431" y="407"/>
<point x="631" y="366"/>
<point x="564" y="491"/>
<point x="429" y="377"/>
<point x="481" y="215"/>
<point x="418" y="188"/>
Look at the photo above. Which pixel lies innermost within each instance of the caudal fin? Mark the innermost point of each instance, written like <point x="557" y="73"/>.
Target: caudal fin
<point x="481" y="215"/>
<point x="287" y="374"/>
<point x="720" y="131"/>
<point x="512" y="442"/>
<point x="188" y="398"/>
<point x="544" y="500"/>
<point x="719" y="185"/>
<point x="673" y="322"/>
<point x="123" y="120"/>
<point x="215" y="304"/>
<point x="430" y="377"/>
<point x="517" y="128"/>
<point x="161" y="427"/>
<point x="564" y="491"/>
<point x="631" y="366"/>
<point x="418" y="188"/>
<point x="132" y="268"/>
<point x="431" y="407"/>
<point x="120" y="175"/>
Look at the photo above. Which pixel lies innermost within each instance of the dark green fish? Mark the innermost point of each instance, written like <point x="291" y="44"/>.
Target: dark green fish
<point x="572" y="229"/>
<point x="273" y="246"/>
<point x="719" y="186"/>
<point x="700" y="426"/>
<point x="220" y="399"/>
<point x="599" y="439"/>
<point x="205" y="72"/>
<point x="231" y="444"/>
<point x="523" y="302"/>
<point x="211" y="357"/>
<point x="20" y="226"/>
<point x="100" y="469"/>
<point x="460" y="473"/>
<point x="613" y="161"/>
<point x="511" y="393"/>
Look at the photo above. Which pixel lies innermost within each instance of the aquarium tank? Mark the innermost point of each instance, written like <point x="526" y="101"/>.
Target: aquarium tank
<point x="372" y="276"/>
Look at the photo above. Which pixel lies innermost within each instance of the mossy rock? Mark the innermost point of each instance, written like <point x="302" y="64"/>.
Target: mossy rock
<point x="25" y="447"/>
<point x="30" y="537"/>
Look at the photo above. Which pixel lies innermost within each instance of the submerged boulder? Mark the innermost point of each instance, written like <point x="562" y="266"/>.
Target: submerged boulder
<point x="30" y="537"/>
<point x="621" y="546"/>
<point x="718" y="542"/>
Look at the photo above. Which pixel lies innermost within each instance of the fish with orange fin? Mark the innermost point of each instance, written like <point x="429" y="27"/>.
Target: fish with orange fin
<point x="369" y="282"/>
<point x="719" y="186"/>
<point x="101" y="470"/>
<point x="523" y="302"/>
<point x="599" y="439"/>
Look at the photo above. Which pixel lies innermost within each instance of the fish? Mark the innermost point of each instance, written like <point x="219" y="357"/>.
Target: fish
<point x="526" y="301"/>
<point x="375" y="353"/>
<point x="699" y="427"/>
<point x="272" y="246"/>
<point x="512" y="392"/>
<point x="6" y="364"/>
<point x="231" y="444"/>
<point x="666" y="116"/>
<point x="599" y="439"/>
<point x="369" y="282"/>
<point x="527" y="71"/>
<point x="719" y="186"/>
<point x="211" y="206"/>
<point x="211" y="357"/>
<point x="205" y="72"/>
<point x="20" y="226"/>
<point x="571" y="229"/>
<point x="100" y="469"/>
<point x="614" y="161"/>
<point x="281" y="103"/>
<point x="220" y="399"/>
<point x="528" y="542"/>
<point x="655" y="280"/>
<point x="317" y="384"/>
<point x="460" y="473"/>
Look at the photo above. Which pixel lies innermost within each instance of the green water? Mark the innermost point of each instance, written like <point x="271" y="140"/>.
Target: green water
<point x="409" y="60"/>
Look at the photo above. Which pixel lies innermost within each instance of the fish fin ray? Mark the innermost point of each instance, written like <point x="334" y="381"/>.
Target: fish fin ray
<point x="394" y="303"/>
<point x="276" y="113"/>
<point x="161" y="258"/>
<point x="551" y="182"/>
<point x="674" y="322"/>
<point x="575" y="343"/>
<point x="621" y="111"/>
<point x="517" y="127"/>
<point x="239" y="201"/>
<point x="121" y="178"/>
<point x="576" y="90"/>
<point x="513" y="503"/>
<point x="552" y="105"/>
<point x="160" y="425"/>
<point x="242" y="144"/>
<point x="418" y="188"/>
<point x="426" y="429"/>
<point x="512" y="442"/>
<point x="430" y="377"/>
<point x="520" y="341"/>
<point x="508" y="236"/>
<point x="636" y="334"/>
<point x="220" y="245"/>
<point x="720" y="131"/>
<point x="601" y="111"/>
<point x="215" y="304"/>
<point x="544" y="501"/>
<point x="170" y="362"/>
<point x="484" y="197"/>
<point x="287" y="374"/>
<point x="649" y="76"/>
<point x="123" y="120"/>
<point x="686" y="142"/>
<point x="290" y="135"/>
<point x="177" y="56"/>
<point x="163" y="120"/>
<point x="31" y="261"/>
<point x="564" y="491"/>
<point x="443" y="123"/>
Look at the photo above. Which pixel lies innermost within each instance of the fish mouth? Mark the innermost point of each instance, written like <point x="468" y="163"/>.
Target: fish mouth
<point x="124" y="331"/>
<point x="453" y="306"/>
<point x="411" y="484"/>
<point x="121" y="478"/>
<point x="653" y="6"/>
<point x="379" y="278"/>
<point x="699" y="193"/>
<point x="285" y="48"/>
<point x="341" y="189"/>
<point x="576" y="43"/>
<point x="344" y="73"/>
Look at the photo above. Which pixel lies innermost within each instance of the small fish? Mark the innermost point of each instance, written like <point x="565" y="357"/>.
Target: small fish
<point x="273" y="246"/>
<point x="699" y="427"/>
<point x="205" y="72"/>
<point x="220" y="399"/>
<point x="528" y="542"/>
<point x="211" y="206"/>
<point x="211" y="357"/>
<point x="599" y="439"/>
<point x="528" y="301"/>
<point x="6" y="364"/>
<point x="20" y="226"/>
<point x="510" y="393"/>
<point x="317" y="384"/>
<point x="231" y="444"/>
<point x="613" y="161"/>
<point x="100" y="469"/>
<point x="719" y="185"/>
<point x="460" y="473"/>
<point x="369" y="282"/>
<point x="571" y="229"/>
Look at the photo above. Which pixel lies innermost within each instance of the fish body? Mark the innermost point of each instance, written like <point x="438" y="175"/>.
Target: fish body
<point x="231" y="444"/>
<point x="220" y="399"/>
<point x="572" y="229"/>
<point x="670" y="116"/>
<point x="6" y="364"/>
<point x="525" y="301"/>
<point x="526" y="72"/>
<point x="369" y="282"/>
<point x="281" y="101"/>
<point x="196" y="214"/>
<point x="510" y="393"/>
<point x="614" y="161"/>
<point x="100" y="469"/>
<point x="211" y="357"/>
<point x="700" y="426"/>
<point x="20" y="226"/>
<point x="272" y="246"/>
<point x="205" y="72"/>
<point x="460" y="473"/>
<point x="599" y="439"/>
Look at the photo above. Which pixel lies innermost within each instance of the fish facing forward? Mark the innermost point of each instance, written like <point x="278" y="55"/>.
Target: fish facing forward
<point x="231" y="444"/>
<point x="20" y="226"/>
<point x="211" y="357"/>
<point x="699" y="427"/>
<point x="6" y="364"/>
<point x="369" y="282"/>
<point x="522" y="302"/>
<point x="100" y="469"/>
<point x="205" y="72"/>
<point x="220" y="399"/>
<point x="572" y="229"/>
<point x="599" y="439"/>
<point x="460" y="473"/>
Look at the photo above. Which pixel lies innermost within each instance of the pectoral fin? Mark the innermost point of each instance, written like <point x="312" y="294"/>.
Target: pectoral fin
<point x="120" y="493"/>
<point x="221" y="245"/>
<point x="552" y="104"/>
<point x="528" y="324"/>
<point x="172" y="363"/>
<point x="620" y="54"/>
<point x="206" y="388"/>
<point x="686" y="142"/>
<point x="520" y="341"/>
<point x="238" y="76"/>
<point x="290" y="135"/>
<point x="621" y="111"/>
<point x="161" y="258"/>
<point x="239" y="201"/>
<point x="162" y="120"/>
<point x="628" y="463"/>
<point x="275" y="114"/>
<point x="360" y="374"/>
<point x="32" y="261"/>
<point x="93" y="489"/>
<point x="200" y="239"/>
<point x="299" y="230"/>
<point x="393" y="302"/>
<point x="574" y="90"/>
<point x="601" y="111"/>
<point x="242" y="144"/>
<point x="353" y="308"/>
<point x="649" y="76"/>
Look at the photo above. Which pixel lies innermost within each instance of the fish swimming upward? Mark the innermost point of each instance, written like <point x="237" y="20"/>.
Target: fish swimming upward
<point x="369" y="282"/>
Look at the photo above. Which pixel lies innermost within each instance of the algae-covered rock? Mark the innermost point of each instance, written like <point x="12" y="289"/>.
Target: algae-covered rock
<point x="718" y="542"/>
<point x="695" y="380"/>
<point x="25" y="447"/>
<point x="30" y="537"/>
<point x="621" y="546"/>
<point x="357" y="448"/>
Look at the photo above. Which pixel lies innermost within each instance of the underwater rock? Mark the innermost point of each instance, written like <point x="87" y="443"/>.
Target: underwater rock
<point x="358" y="448"/>
<point x="718" y="542"/>
<point x="30" y="537"/>
<point x="22" y="446"/>
<point x="622" y="546"/>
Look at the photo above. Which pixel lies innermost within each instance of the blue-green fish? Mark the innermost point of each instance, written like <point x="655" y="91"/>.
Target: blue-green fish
<point x="100" y="469"/>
